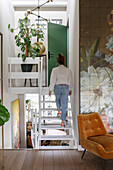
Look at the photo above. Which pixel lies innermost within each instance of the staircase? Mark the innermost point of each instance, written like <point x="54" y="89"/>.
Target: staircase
<point x="46" y="132"/>
<point x="50" y="133"/>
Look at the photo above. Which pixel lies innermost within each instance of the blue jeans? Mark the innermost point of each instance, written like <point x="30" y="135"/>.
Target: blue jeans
<point x="61" y="94"/>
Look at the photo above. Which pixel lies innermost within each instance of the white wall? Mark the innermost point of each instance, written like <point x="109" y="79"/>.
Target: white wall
<point x="6" y="17"/>
<point x="73" y="16"/>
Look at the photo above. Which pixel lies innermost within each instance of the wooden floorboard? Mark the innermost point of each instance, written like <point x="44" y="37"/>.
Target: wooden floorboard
<point x="39" y="159"/>
<point x="9" y="158"/>
<point x="58" y="160"/>
<point x="29" y="160"/>
<point x="48" y="160"/>
<point x="77" y="162"/>
<point x="19" y="160"/>
<point x="68" y="161"/>
<point x="52" y="160"/>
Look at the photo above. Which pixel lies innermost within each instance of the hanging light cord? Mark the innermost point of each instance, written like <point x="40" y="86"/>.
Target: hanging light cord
<point x="38" y="7"/>
<point x="38" y="13"/>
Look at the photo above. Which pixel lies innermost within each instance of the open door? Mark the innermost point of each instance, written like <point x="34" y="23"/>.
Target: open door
<point x="57" y="43"/>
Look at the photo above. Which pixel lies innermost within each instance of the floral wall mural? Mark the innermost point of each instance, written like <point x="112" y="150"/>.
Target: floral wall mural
<point x="96" y="59"/>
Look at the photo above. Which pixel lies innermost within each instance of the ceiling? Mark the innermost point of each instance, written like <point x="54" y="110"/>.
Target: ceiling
<point x="25" y="4"/>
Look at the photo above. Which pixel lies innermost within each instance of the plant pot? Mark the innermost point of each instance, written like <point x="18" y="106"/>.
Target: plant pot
<point x="26" y="67"/>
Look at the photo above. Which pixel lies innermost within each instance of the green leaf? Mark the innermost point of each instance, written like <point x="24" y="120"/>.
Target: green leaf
<point x="25" y="20"/>
<point x="37" y="54"/>
<point x="18" y="42"/>
<point x="40" y="36"/>
<point x="16" y="36"/>
<point x="21" y="25"/>
<point x="12" y="30"/>
<point x="19" y="20"/>
<point x="32" y="25"/>
<point x="28" y="101"/>
<point x="26" y="39"/>
<point x="18" y="54"/>
<point x="23" y="48"/>
<point x="8" y="26"/>
<point x="4" y="115"/>
<point x="1" y="122"/>
<point x="30" y="36"/>
<point x="24" y="57"/>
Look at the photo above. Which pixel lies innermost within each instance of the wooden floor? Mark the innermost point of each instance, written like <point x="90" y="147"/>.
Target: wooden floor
<point x="52" y="160"/>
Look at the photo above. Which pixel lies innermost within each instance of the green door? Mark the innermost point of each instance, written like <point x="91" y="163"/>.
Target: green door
<point x="57" y="43"/>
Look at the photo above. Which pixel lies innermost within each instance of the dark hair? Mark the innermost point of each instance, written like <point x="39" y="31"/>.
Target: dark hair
<point x="61" y="59"/>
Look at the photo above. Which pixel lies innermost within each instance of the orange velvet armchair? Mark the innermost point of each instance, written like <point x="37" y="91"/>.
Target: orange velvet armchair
<point x="94" y="137"/>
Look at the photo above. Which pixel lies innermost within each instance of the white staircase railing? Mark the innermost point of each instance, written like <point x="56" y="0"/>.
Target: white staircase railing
<point x="34" y="129"/>
<point x="40" y="90"/>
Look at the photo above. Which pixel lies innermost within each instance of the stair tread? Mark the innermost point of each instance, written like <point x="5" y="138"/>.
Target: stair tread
<point x="51" y="102"/>
<point x="43" y="118"/>
<point x="54" y="109"/>
<point x="57" y="147"/>
<point x="65" y="137"/>
<point x="55" y="127"/>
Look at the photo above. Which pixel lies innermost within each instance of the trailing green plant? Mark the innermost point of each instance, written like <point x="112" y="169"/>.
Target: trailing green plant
<point x="24" y="37"/>
<point x="4" y="115"/>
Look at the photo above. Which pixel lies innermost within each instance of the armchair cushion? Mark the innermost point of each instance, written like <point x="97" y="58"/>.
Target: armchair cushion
<point x="105" y="140"/>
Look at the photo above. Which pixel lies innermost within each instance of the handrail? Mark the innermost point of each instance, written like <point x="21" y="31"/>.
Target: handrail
<point x="2" y="96"/>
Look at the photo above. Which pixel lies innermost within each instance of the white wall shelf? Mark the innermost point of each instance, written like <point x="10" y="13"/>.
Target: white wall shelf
<point x="16" y="78"/>
<point x="29" y="60"/>
<point x="25" y="90"/>
<point x="23" y="75"/>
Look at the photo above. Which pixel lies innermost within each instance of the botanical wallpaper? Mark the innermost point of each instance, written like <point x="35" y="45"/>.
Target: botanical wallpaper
<point x="96" y="59"/>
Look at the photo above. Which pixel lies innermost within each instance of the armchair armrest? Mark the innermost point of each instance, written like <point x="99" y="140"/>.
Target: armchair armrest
<point x="91" y="146"/>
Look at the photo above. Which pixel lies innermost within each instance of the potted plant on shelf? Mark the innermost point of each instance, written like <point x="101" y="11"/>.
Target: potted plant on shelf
<point x="23" y="40"/>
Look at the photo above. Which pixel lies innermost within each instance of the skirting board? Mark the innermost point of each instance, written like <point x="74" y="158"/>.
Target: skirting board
<point x="80" y="148"/>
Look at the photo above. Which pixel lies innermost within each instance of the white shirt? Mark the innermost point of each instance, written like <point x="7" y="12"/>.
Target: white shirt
<point x="61" y="75"/>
